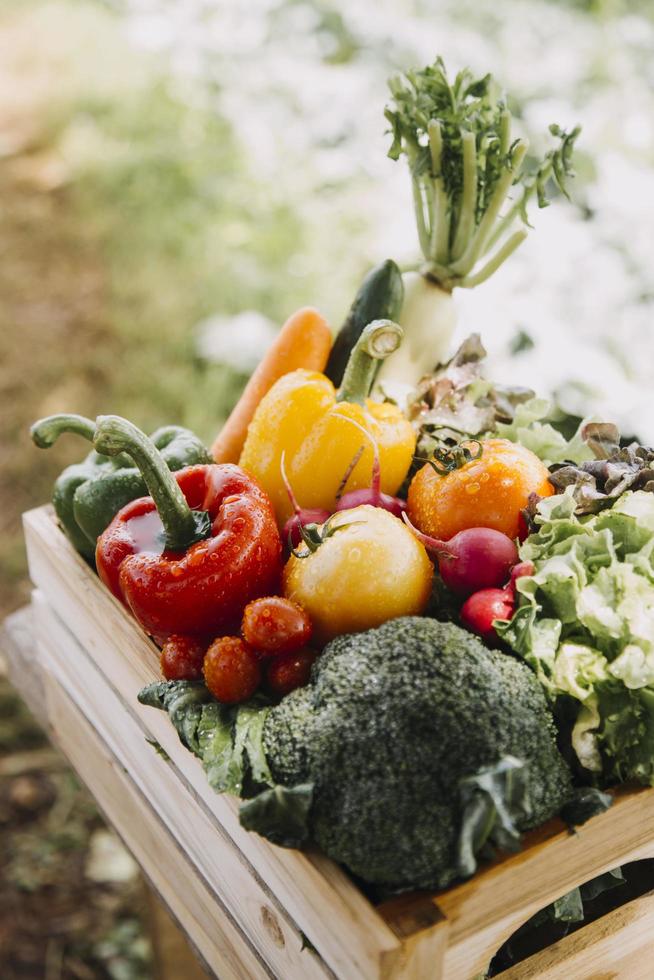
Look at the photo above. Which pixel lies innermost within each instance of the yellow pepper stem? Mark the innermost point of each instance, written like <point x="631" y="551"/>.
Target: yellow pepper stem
<point x="377" y="341"/>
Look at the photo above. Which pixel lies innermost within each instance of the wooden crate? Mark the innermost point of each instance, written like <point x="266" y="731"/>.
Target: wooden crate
<point x="255" y="910"/>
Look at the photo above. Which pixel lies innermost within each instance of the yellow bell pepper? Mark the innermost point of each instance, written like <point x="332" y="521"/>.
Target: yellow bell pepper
<point x="305" y="418"/>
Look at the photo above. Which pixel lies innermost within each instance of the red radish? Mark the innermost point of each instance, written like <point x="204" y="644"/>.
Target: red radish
<point x="518" y="571"/>
<point x="292" y="531"/>
<point x="474" y="559"/>
<point x="480" y="610"/>
<point x="371" y="495"/>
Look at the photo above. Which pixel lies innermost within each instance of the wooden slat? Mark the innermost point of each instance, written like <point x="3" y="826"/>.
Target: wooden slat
<point x="483" y="912"/>
<point x="171" y="953"/>
<point x="618" y="946"/>
<point x="423" y="931"/>
<point x="16" y="640"/>
<point x="358" y="945"/>
<point x="218" y="940"/>
<point x="211" y="855"/>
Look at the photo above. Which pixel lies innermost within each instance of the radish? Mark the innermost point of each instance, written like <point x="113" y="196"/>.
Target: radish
<point x="470" y="195"/>
<point x="474" y="559"/>
<point x="293" y="530"/>
<point x="518" y="571"/>
<point x="480" y="611"/>
<point x="371" y="495"/>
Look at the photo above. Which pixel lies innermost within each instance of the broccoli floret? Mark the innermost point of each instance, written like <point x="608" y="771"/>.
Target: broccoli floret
<point x="393" y="720"/>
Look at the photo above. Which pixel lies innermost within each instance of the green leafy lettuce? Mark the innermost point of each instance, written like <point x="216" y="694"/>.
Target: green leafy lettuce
<point x="585" y="624"/>
<point x="530" y="426"/>
<point x="456" y="401"/>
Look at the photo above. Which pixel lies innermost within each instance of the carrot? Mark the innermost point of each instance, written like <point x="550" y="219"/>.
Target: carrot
<point x="304" y="341"/>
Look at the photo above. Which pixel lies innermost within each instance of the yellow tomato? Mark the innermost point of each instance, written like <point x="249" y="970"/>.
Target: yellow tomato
<point x="363" y="574"/>
<point x="486" y="492"/>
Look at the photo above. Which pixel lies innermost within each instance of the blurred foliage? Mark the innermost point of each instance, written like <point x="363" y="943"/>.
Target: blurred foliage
<point x="128" y="213"/>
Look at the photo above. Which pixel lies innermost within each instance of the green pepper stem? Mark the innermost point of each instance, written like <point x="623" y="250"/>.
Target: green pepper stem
<point x="46" y="431"/>
<point x="182" y="526"/>
<point x="379" y="339"/>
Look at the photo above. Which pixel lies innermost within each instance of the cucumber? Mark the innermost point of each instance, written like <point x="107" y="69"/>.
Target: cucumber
<point x="380" y="297"/>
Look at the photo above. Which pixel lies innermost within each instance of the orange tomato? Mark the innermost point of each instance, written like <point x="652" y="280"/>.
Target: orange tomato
<point x="486" y="492"/>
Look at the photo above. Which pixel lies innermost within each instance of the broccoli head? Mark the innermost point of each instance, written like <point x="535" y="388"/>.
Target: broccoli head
<point x="396" y="726"/>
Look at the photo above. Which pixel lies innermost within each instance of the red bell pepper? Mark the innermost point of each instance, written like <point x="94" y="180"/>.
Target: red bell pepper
<point x="190" y="557"/>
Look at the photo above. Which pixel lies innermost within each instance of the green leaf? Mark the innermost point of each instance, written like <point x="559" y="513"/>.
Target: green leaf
<point x="280" y="814"/>
<point x="568" y="908"/>
<point x="603" y="883"/>
<point x="216" y="747"/>
<point x="586" y="802"/>
<point x="184" y="701"/>
<point x="227" y="738"/>
<point x="531" y="429"/>
<point x="585" y="624"/>
<point x="492" y="801"/>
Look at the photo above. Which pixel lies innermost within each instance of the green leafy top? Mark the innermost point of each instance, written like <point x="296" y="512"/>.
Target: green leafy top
<point x="585" y="624"/>
<point x="457" y="139"/>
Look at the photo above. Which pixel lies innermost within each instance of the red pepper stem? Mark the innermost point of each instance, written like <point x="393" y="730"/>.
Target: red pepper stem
<point x="377" y="341"/>
<point x="46" y="431"/>
<point x="436" y="547"/>
<point x="182" y="526"/>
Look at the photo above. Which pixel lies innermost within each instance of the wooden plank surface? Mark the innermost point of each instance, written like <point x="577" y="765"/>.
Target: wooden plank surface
<point x="312" y="889"/>
<point x="619" y="946"/>
<point x="219" y="942"/>
<point x="210" y="855"/>
<point x="17" y="640"/>
<point x="484" y="911"/>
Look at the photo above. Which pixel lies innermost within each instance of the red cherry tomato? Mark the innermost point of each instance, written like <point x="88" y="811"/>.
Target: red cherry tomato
<point x="275" y="625"/>
<point x="290" y="670"/>
<point x="231" y="670"/>
<point x="182" y="657"/>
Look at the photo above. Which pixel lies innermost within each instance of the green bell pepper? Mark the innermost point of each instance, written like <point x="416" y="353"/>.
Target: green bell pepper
<point x="88" y="495"/>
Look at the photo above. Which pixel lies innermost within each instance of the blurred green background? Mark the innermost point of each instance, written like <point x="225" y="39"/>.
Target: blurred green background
<point x="167" y="161"/>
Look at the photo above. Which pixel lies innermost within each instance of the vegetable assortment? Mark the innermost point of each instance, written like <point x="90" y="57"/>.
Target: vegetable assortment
<point x="404" y="612"/>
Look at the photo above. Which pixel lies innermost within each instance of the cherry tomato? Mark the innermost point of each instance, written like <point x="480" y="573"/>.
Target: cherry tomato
<point x="290" y="670"/>
<point x="231" y="670"/>
<point x="275" y="625"/>
<point x="487" y="492"/>
<point x="182" y="657"/>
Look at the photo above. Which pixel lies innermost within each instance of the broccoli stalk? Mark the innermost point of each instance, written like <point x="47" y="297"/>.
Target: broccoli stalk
<point x="465" y="169"/>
